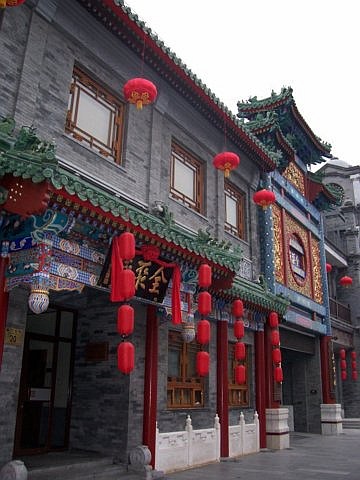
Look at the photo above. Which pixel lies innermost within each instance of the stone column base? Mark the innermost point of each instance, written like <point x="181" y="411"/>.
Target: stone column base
<point x="331" y="419"/>
<point x="277" y="429"/>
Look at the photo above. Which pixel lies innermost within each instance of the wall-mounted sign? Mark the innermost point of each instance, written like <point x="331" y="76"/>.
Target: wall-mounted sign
<point x="14" y="336"/>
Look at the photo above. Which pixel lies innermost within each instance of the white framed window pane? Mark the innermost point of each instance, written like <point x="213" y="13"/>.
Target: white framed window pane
<point x="93" y="118"/>
<point x="184" y="179"/>
<point x="231" y="211"/>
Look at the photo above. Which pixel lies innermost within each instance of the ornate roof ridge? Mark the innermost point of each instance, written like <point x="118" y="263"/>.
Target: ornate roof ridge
<point x="274" y="100"/>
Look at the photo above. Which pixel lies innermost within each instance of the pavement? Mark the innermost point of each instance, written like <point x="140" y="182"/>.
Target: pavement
<point x="309" y="457"/>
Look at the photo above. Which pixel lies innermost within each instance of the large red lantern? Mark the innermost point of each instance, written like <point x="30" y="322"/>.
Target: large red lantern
<point x="276" y="355"/>
<point x="125" y="319"/>
<point x="203" y="332"/>
<point x="226" y="161"/>
<point x="278" y="374"/>
<point x="345" y="281"/>
<point x="328" y="267"/>
<point x="204" y="275"/>
<point x="127" y="246"/>
<point x="140" y="91"/>
<point x="273" y="320"/>
<point x="24" y="197"/>
<point x="202" y="363"/>
<point x="237" y="308"/>
<point x="342" y="353"/>
<point x="264" y="198"/>
<point x="126" y="284"/>
<point x="240" y="351"/>
<point x="126" y="357"/>
<point x="239" y="329"/>
<point x="204" y="303"/>
<point x="240" y="374"/>
<point x="275" y="338"/>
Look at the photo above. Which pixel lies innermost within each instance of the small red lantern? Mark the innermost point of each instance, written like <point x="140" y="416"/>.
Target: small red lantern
<point x="237" y="308"/>
<point x="240" y="374"/>
<point x="239" y="330"/>
<point x="273" y="320"/>
<point x="240" y="351"/>
<point x="275" y="338"/>
<point x="343" y="375"/>
<point x="204" y="303"/>
<point x="203" y="332"/>
<point x="345" y="281"/>
<point x="353" y="355"/>
<point x="126" y="357"/>
<point x="328" y="267"/>
<point x="343" y="364"/>
<point x="204" y="275"/>
<point x="140" y="91"/>
<point x="342" y="353"/>
<point x="125" y="319"/>
<point x="202" y="363"/>
<point x="127" y="246"/>
<point x="354" y="375"/>
<point x="353" y="365"/>
<point x="276" y="355"/>
<point x="264" y="198"/>
<point x="126" y="284"/>
<point x="278" y="374"/>
<point x="226" y="161"/>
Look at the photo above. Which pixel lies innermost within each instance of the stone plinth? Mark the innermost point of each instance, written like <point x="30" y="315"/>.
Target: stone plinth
<point x="277" y="429"/>
<point x="331" y="419"/>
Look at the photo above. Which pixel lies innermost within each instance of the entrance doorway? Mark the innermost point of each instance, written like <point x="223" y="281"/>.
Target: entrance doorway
<point x="43" y="415"/>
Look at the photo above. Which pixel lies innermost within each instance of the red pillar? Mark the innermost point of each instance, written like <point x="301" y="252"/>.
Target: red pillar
<point x="326" y="377"/>
<point x="260" y="384"/>
<point x="150" y="382"/>
<point x="270" y="402"/>
<point x="223" y="385"/>
<point x="4" y="300"/>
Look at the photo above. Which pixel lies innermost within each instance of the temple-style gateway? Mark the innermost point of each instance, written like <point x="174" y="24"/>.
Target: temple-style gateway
<point x="115" y="157"/>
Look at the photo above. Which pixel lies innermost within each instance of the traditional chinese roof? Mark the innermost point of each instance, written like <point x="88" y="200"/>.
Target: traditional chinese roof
<point x="278" y="114"/>
<point x="324" y="197"/>
<point x="126" y="25"/>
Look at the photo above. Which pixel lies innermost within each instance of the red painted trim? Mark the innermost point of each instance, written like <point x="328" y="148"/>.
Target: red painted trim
<point x="4" y="301"/>
<point x="325" y="374"/>
<point x="223" y="385"/>
<point x="260" y="383"/>
<point x="150" y="382"/>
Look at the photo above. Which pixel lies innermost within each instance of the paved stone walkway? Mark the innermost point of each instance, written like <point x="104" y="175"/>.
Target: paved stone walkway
<point x="309" y="457"/>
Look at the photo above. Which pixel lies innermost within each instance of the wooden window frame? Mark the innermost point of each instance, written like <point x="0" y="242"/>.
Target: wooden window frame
<point x="183" y="156"/>
<point x="184" y="387"/>
<point x="239" y="395"/>
<point x="113" y="148"/>
<point x="235" y="194"/>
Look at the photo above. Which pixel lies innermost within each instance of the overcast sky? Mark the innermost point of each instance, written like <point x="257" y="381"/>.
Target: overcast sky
<point x="243" y="48"/>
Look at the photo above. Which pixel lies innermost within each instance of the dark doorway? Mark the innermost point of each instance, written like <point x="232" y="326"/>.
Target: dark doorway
<point x="44" y="405"/>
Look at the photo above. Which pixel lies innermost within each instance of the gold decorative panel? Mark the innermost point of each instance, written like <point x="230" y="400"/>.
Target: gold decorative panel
<point x="278" y="245"/>
<point x="294" y="175"/>
<point x="316" y="271"/>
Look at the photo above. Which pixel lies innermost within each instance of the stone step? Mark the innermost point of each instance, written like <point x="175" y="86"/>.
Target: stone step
<point x="351" y="423"/>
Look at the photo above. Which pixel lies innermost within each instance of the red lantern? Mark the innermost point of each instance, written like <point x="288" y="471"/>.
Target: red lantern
<point x="276" y="355"/>
<point x="226" y="161"/>
<point x="239" y="330"/>
<point x="204" y="303"/>
<point x="203" y="332"/>
<point x="204" y="275"/>
<point x="240" y="374"/>
<point x="342" y="353"/>
<point x="354" y="375"/>
<point x="275" y="338"/>
<point x="343" y="375"/>
<point x="328" y="267"/>
<point x="140" y="91"/>
<point x="345" y="281"/>
<point x="353" y="365"/>
<point x="126" y="357"/>
<point x="127" y="246"/>
<point x="125" y="319"/>
<point x="24" y="197"/>
<point x="10" y="3"/>
<point x="278" y="374"/>
<point x="126" y="283"/>
<point x="273" y="320"/>
<point x="264" y="198"/>
<point x="237" y="308"/>
<point x="202" y="363"/>
<point x="353" y="355"/>
<point x="343" y="364"/>
<point x="240" y="351"/>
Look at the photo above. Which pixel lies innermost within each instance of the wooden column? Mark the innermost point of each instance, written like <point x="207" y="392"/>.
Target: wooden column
<point x="150" y="382"/>
<point x="328" y="396"/>
<point x="223" y="385"/>
<point x="4" y="301"/>
<point x="260" y="384"/>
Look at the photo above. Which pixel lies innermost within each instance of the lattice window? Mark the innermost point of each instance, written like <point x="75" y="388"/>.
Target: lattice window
<point x="234" y="211"/>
